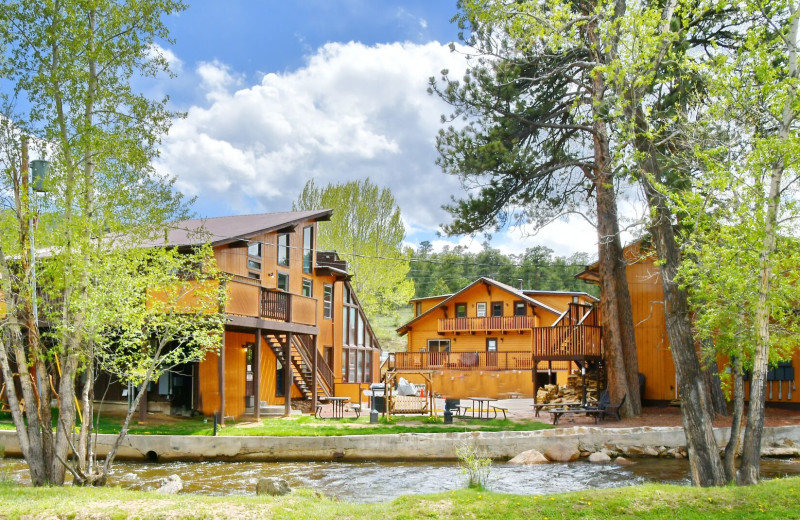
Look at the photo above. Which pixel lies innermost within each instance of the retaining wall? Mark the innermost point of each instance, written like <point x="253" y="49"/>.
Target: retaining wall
<point x="782" y="441"/>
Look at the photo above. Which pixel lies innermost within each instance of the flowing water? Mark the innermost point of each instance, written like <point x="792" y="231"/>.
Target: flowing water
<point x="380" y="481"/>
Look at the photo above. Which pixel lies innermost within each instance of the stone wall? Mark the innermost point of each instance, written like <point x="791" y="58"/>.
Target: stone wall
<point x="777" y="441"/>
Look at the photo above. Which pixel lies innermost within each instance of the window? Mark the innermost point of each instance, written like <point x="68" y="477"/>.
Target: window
<point x="520" y="309"/>
<point x="254" y="249"/>
<point x="308" y="248"/>
<point x="438" y="345"/>
<point x="283" y="281"/>
<point x="417" y="308"/>
<point x="283" y="249"/>
<point x="327" y="301"/>
<point x="307" y="287"/>
<point x="491" y="344"/>
<point x="252" y="264"/>
<point x="480" y="309"/>
<point x="254" y="260"/>
<point x="461" y="310"/>
<point x="497" y="309"/>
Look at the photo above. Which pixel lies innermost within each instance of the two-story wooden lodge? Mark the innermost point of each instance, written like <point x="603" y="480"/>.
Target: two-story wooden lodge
<point x="487" y="338"/>
<point x="294" y="326"/>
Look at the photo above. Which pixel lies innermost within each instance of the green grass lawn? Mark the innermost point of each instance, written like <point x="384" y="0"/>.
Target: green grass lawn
<point x="306" y="426"/>
<point x="776" y="499"/>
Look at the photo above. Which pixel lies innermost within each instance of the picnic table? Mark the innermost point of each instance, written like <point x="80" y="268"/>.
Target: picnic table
<point x="589" y="411"/>
<point x="539" y="406"/>
<point x="337" y="407"/>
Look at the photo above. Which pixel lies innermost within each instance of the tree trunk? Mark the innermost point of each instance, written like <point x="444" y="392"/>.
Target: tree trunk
<point x="751" y="454"/>
<point x="704" y="461"/>
<point x="616" y="318"/>
<point x="732" y="449"/>
<point x="716" y="397"/>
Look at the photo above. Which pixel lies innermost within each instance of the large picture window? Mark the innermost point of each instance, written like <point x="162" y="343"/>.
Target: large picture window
<point x="283" y="249"/>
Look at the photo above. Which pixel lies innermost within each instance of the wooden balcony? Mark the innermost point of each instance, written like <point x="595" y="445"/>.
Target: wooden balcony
<point x="567" y="343"/>
<point x="486" y="324"/>
<point x="247" y="298"/>
<point x="489" y="361"/>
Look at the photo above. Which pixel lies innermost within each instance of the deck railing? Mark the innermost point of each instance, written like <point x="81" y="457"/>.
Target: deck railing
<point x="488" y="323"/>
<point x="246" y="297"/>
<point x="517" y="360"/>
<point x="567" y="342"/>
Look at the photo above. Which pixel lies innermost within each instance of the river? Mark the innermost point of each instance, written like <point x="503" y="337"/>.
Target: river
<point x="381" y="481"/>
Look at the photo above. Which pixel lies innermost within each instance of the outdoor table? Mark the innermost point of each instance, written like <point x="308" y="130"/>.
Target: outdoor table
<point x="483" y="405"/>
<point x="539" y="406"/>
<point x="338" y="406"/>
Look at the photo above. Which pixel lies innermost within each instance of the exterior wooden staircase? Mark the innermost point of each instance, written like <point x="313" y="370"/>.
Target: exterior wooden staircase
<point x="302" y="352"/>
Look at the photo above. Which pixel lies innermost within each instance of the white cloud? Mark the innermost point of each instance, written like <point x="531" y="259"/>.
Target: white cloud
<point x="353" y="111"/>
<point x="175" y="63"/>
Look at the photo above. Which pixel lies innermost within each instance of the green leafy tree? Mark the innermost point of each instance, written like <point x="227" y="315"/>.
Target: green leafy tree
<point x="366" y="230"/>
<point x="70" y="69"/>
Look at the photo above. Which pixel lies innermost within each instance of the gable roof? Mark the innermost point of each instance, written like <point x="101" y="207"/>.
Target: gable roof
<point x="224" y="230"/>
<point x="516" y="292"/>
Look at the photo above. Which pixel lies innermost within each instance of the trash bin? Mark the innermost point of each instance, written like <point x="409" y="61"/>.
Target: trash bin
<point x="378" y="399"/>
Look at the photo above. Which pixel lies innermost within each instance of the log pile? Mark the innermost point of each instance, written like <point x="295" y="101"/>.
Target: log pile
<point x="572" y="392"/>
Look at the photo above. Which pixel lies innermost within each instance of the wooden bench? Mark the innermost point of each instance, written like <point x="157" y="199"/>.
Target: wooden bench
<point x="539" y="406"/>
<point x="500" y="409"/>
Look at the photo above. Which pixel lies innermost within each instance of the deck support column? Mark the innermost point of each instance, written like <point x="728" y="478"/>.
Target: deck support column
<point x="314" y="383"/>
<point x="287" y="375"/>
<point x="534" y="371"/>
<point x="221" y="368"/>
<point x="257" y="375"/>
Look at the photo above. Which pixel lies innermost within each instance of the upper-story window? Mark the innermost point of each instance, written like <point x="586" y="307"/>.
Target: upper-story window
<point x="520" y="309"/>
<point x="283" y="282"/>
<point x="480" y="309"/>
<point x="283" y="249"/>
<point x="417" y="308"/>
<point x="308" y="248"/>
<point x="461" y="310"/>
<point x="327" y="301"/>
<point x="254" y="260"/>
<point x="307" y="287"/>
<point x="497" y="309"/>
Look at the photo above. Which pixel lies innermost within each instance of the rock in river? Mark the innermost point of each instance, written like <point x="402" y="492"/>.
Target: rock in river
<point x="272" y="486"/>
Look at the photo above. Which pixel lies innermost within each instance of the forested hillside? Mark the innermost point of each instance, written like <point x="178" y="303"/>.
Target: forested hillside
<point x="538" y="268"/>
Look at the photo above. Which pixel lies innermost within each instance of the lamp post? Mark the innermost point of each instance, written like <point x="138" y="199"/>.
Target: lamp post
<point x="33" y="175"/>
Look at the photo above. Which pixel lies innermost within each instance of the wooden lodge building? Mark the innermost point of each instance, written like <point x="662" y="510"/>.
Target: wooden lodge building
<point x="487" y="338"/>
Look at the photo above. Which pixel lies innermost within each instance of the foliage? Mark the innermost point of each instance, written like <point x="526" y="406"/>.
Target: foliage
<point x="366" y="229"/>
<point x="474" y="466"/>
<point x="452" y="269"/>
<point x="69" y="71"/>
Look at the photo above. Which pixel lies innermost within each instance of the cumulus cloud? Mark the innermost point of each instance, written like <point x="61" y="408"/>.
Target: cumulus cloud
<point x="353" y="111"/>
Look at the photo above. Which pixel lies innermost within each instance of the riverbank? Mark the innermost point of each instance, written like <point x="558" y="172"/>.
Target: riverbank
<point x="776" y="499"/>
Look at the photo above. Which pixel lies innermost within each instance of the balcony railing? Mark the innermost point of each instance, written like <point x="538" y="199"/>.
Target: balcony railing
<point x="460" y="360"/>
<point x="247" y="298"/>
<point x="580" y="341"/>
<point x="488" y="323"/>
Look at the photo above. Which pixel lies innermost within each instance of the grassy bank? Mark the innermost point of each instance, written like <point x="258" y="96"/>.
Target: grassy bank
<point x="305" y="426"/>
<point x="774" y="499"/>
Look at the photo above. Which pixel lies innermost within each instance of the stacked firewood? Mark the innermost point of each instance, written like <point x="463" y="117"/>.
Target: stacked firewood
<point x="572" y="392"/>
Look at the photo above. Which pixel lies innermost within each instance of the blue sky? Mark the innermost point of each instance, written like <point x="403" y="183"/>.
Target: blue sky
<point x="277" y="93"/>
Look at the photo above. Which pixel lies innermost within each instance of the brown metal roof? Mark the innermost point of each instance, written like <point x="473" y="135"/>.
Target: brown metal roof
<point x="223" y="230"/>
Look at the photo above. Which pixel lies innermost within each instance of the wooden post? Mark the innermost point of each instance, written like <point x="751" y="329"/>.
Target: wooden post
<point x="287" y="375"/>
<point x="535" y="388"/>
<point x="257" y="375"/>
<point x="221" y="365"/>
<point x="314" y="382"/>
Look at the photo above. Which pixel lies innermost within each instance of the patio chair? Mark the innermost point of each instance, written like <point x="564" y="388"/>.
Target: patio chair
<point x="605" y="406"/>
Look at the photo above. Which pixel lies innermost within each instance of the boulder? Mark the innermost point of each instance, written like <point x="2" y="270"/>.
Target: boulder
<point x="274" y="486"/>
<point x="171" y="485"/>
<point x="650" y="451"/>
<point x="529" y="457"/>
<point x="599" y="456"/>
<point x="562" y="452"/>
<point x="622" y="461"/>
<point x="633" y="451"/>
